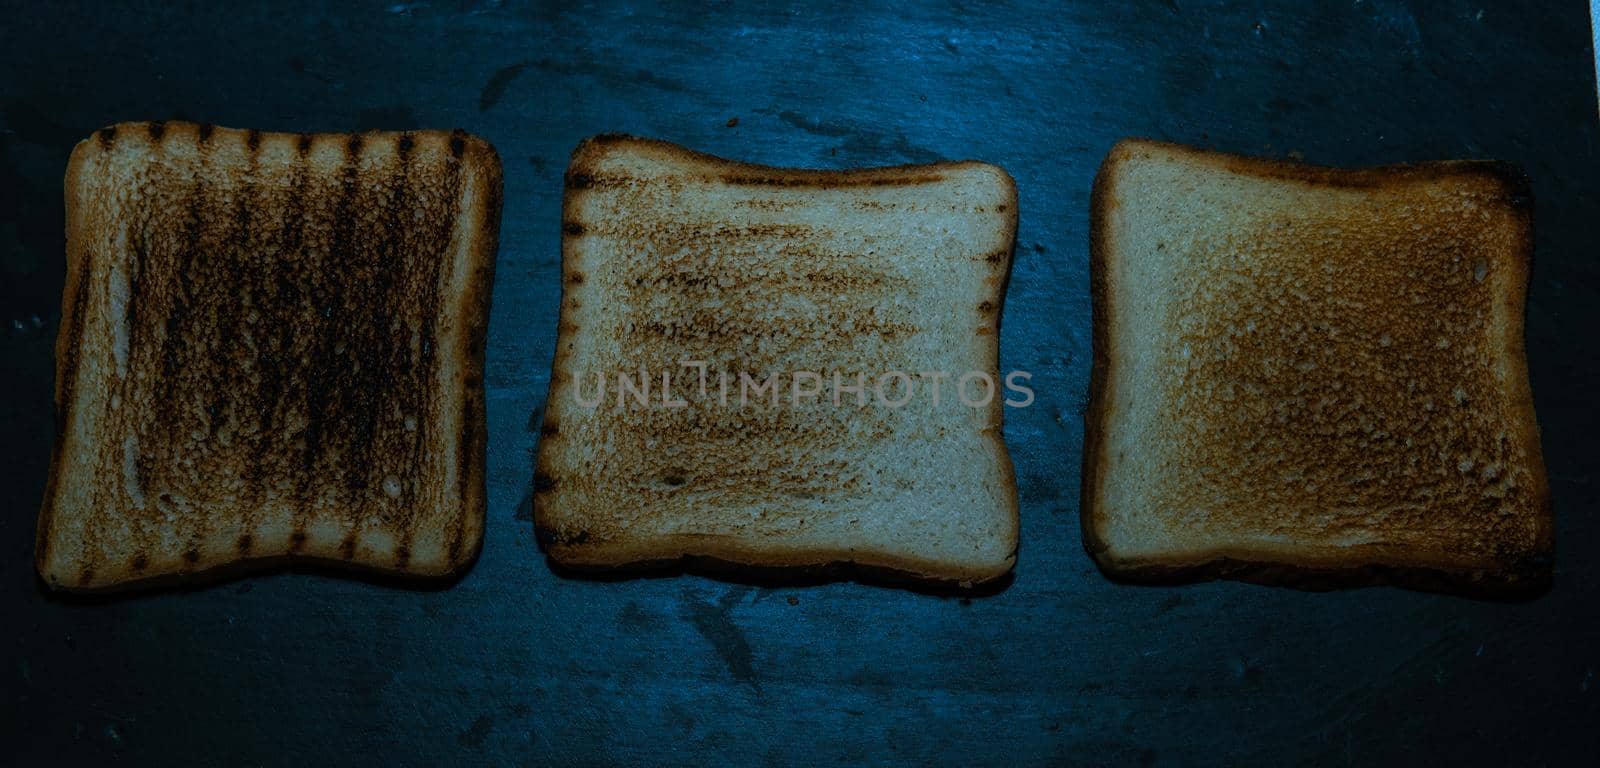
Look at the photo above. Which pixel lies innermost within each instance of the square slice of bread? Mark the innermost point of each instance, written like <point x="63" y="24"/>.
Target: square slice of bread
<point x="271" y="346"/>
<point x="1312" y="376"/>
<point x="762" y="273"/>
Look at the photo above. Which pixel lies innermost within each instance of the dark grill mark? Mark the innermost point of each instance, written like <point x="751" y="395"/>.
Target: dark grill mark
<point x="576" y="180"/>
<point x="572" y="228"/>
<point x="191" y="556"/>
<point x="458" y="143"/>
<point x="229" y="355"/>
<point x="156" y="130"/>
<point x="141" y="263"/>
<point x="106" y="135"/>
<point x="70" y="360"/>
<point x="380" y="350"/>
<point x="253" y="141"/>
<point x="139" y="562"/>
<point x="244" y="544"/>
<point x="206" y="129"/>
<point x="324" y="393"/>
<point x="214" y="260"/>
<point x="303" y="146"/>
<point x="347" y="548"/>
<point x="297" y="540"/>
<point x="402" y="557"/>
<point x="280" y="358"/>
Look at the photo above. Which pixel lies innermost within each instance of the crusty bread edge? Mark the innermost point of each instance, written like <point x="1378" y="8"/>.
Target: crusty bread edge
<point x="480" y="158"/>
<point x="1528" y="576"/>
<point x="708" y="554"/>
<point x="66" y="361"/>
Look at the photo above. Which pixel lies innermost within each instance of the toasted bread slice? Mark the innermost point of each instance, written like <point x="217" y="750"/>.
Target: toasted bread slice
<point x="271" y="345"/>
<point x="672" y="256"/>
<point x="1312" y="376"/>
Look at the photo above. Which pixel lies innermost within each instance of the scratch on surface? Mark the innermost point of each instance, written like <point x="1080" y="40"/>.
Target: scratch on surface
<point x="497" y="83"/>
<point x="715" y="624"/>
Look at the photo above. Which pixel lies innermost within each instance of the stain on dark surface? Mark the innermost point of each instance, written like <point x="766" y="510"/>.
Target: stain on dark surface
<point x="1038" y="487"/>
<point x="524" y="511"/>
<point x="26" y="121"/>
<point x="871" y="677"/>
<point x="715" y="623"/>
<point x="367" y="682"/>
<point x="635" y="619"/>
<point x="1247" y="671"/>
<point x="495" y="87"/>
<point x="476" y="733"/>
<point x="862" y="143"/>
<point x="396" y="117"/>
<point x="614" y="74"/>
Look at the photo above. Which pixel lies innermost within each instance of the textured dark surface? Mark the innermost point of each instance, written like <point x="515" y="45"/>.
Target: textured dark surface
<point x="515" y="664"/>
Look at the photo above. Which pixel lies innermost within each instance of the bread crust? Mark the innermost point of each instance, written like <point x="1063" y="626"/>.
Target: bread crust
<point x="721" y="555"/>
<point x="240" y="159"/>
<point x="1525" y="575"/>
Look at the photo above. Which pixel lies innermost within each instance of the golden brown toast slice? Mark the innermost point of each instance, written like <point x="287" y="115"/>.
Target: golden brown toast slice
<point x="1312" y="376"/>
<point x="670" y="256"/>
<point x="271" y="346"/>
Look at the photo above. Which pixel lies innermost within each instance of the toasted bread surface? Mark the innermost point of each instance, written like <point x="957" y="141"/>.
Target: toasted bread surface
<point x="1312" y="376"/>
<point x="271" y="346"/>
<point x="670" y="256"/>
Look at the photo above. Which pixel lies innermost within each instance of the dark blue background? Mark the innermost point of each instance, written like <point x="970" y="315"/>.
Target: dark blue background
<point x="514" y="664"/>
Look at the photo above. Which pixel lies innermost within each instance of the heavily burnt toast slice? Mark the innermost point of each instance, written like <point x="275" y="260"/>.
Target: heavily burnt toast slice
<point x="1312" y="376"/>
<point x="271" y="347"/>
<point x="671" y="256"/>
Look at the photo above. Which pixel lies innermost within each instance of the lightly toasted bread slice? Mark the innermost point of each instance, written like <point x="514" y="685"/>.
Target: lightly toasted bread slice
<point x="1312" y="376"/>
<point x="669" y="256"/>
<point x="271" y="346"/>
